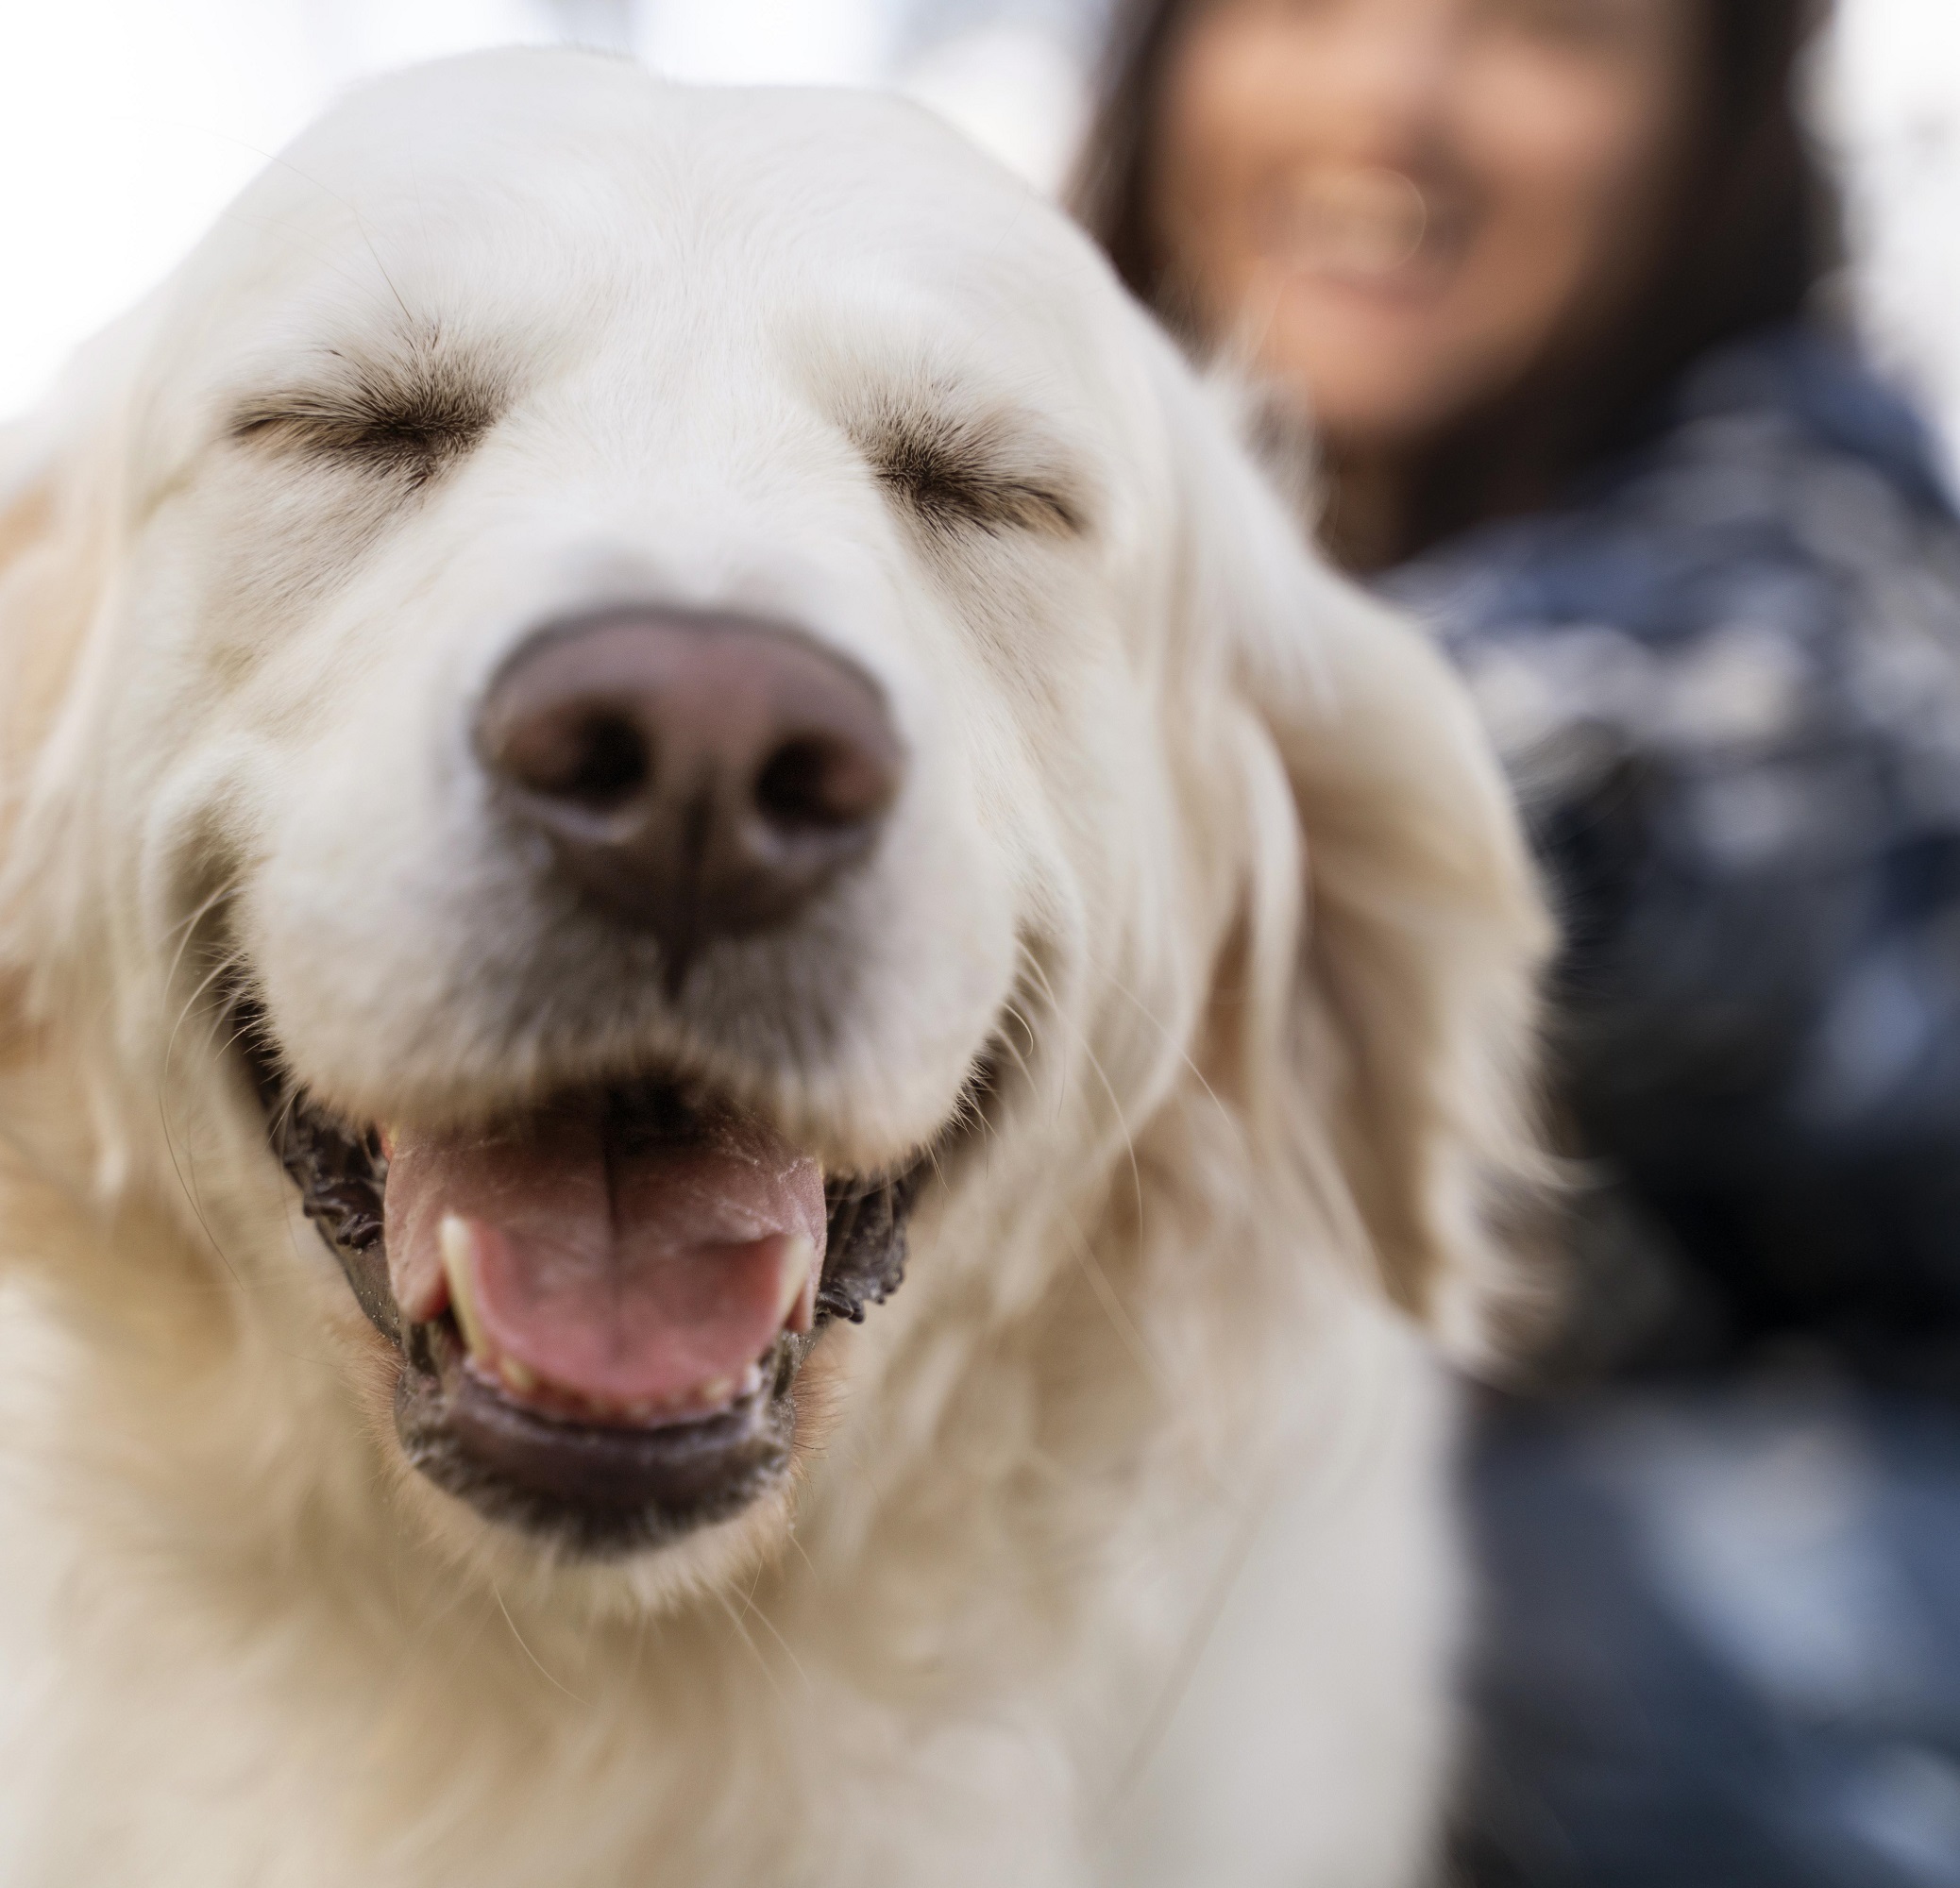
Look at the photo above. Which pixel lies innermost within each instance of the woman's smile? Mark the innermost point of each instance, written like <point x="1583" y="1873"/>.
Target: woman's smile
<point x="1359" y="228"/>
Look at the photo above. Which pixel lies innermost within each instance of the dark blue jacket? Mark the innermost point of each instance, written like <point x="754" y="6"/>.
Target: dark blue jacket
<point x="1725" y="677"/>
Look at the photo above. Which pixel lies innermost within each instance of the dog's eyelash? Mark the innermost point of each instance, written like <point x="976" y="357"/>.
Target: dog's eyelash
<point x="950" y="480"/>
<point x="411" y="429"/>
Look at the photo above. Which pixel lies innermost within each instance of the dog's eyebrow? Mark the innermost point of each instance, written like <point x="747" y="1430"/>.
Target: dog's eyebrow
<point x="409" y="417"/>
<point x="957" y="472"/>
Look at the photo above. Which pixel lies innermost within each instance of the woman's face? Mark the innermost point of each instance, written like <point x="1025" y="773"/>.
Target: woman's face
<point x="1403" y="205"/>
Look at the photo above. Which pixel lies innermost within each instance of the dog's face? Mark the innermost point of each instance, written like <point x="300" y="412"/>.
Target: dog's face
<point x="654" y="659"/>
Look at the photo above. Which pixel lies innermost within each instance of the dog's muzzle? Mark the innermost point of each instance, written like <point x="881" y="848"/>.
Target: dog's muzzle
<point x="601" y="1302"/>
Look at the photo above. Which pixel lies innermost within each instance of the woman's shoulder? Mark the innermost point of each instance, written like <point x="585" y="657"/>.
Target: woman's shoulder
<point x="1781" y="473"/>
<point x="1782" y="470"/>
<point x="1763" y="604"/>
<point x="1827" y="400"/>
<point x="1775" y="575"/>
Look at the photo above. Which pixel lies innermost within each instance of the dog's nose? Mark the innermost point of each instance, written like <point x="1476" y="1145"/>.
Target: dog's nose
<point x="700" y="776"/>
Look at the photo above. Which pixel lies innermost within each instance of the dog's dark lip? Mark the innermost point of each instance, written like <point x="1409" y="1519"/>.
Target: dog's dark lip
<point x="594" y="1488"/>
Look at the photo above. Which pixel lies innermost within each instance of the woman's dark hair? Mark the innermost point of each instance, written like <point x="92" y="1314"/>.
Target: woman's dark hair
<point x="1754" y="227"/>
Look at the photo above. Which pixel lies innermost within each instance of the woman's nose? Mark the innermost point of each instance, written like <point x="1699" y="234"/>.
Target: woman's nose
<point x="1387" y="68"/>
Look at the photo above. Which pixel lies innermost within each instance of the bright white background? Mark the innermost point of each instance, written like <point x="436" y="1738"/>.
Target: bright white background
<point x="126" y="124"/>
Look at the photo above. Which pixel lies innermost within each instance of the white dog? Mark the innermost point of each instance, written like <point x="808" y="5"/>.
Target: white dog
<point x="613" y="692"/>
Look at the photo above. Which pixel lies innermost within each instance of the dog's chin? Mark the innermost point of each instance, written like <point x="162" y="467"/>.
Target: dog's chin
<point x="599" y="1311"/>
<point x="526" y="1566"/>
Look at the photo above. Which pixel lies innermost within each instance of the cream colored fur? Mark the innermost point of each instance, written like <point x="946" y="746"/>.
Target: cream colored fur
<point x="1117" y="1548"/>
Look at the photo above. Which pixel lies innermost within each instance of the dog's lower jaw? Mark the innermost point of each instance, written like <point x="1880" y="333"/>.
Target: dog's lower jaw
<point x="594" y="1492"/>
<point x="460" y="1545"/>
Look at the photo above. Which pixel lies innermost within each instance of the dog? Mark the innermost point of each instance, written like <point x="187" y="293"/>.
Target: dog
<point x="752" y="1055"/>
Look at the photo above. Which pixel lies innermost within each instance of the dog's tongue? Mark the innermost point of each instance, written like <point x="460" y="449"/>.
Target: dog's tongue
<point x="634" y="1269"/>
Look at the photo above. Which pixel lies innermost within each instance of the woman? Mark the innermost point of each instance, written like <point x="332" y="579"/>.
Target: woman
<point x="1544" y="273"/>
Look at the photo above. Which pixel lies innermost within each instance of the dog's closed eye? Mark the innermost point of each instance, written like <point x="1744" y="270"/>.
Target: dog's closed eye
<point x="407" y="421"/>
<point x="953" y="475"/>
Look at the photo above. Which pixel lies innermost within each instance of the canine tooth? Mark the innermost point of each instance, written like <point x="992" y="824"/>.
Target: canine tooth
<point x="716" y="1390"/>
<point x="751" y="1381"/>
<point x="457" y="1243"/>
<point x="799" y="1264"/>
<point x="520" y="1377"/>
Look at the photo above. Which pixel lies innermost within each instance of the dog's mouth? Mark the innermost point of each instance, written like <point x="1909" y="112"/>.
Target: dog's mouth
<point x="600" y="1304"/>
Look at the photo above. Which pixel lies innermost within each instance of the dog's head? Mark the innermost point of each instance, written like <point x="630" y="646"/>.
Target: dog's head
<point x="614" y="687"/>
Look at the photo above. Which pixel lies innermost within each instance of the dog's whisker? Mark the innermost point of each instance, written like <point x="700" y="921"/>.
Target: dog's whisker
<point x="1175" y="1044"/>
<point x="205" y="984"/>
<point x="752" y="1610"/>
<point x="538" y="1663"/>
<point x="189" y="1189"/>
<point x="1107" y="1295"/>
<point x="185" y="932"/>
<point x="756" y="1652"/>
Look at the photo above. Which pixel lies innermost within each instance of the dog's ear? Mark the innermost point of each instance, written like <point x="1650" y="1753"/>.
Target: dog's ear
<point x="60" y="498"/>
<point x="1409" y="917"/>
<point x="58" y="494"/>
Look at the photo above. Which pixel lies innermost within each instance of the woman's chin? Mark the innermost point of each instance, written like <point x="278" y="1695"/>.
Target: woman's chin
<point x="1367" y="401"/>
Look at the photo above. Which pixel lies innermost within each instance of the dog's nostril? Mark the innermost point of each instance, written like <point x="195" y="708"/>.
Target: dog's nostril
<point x="823" y="784"/>
<point x="595" y="756"/>
<point x="615" y="763"/>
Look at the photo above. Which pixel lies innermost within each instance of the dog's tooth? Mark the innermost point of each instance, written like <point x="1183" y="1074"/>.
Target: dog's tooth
<point x="751" y="1381"/>
<point x="716" y="1390"/>
<point x="520" y="1377"/>
<point x="796" y="1298"/>
<point x="456" y="1240"/>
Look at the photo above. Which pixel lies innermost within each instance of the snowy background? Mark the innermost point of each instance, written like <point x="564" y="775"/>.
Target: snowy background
<point x="124" y="124"/>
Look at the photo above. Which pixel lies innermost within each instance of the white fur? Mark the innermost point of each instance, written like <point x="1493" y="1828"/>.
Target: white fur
<point x="1119" y="1553"/>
